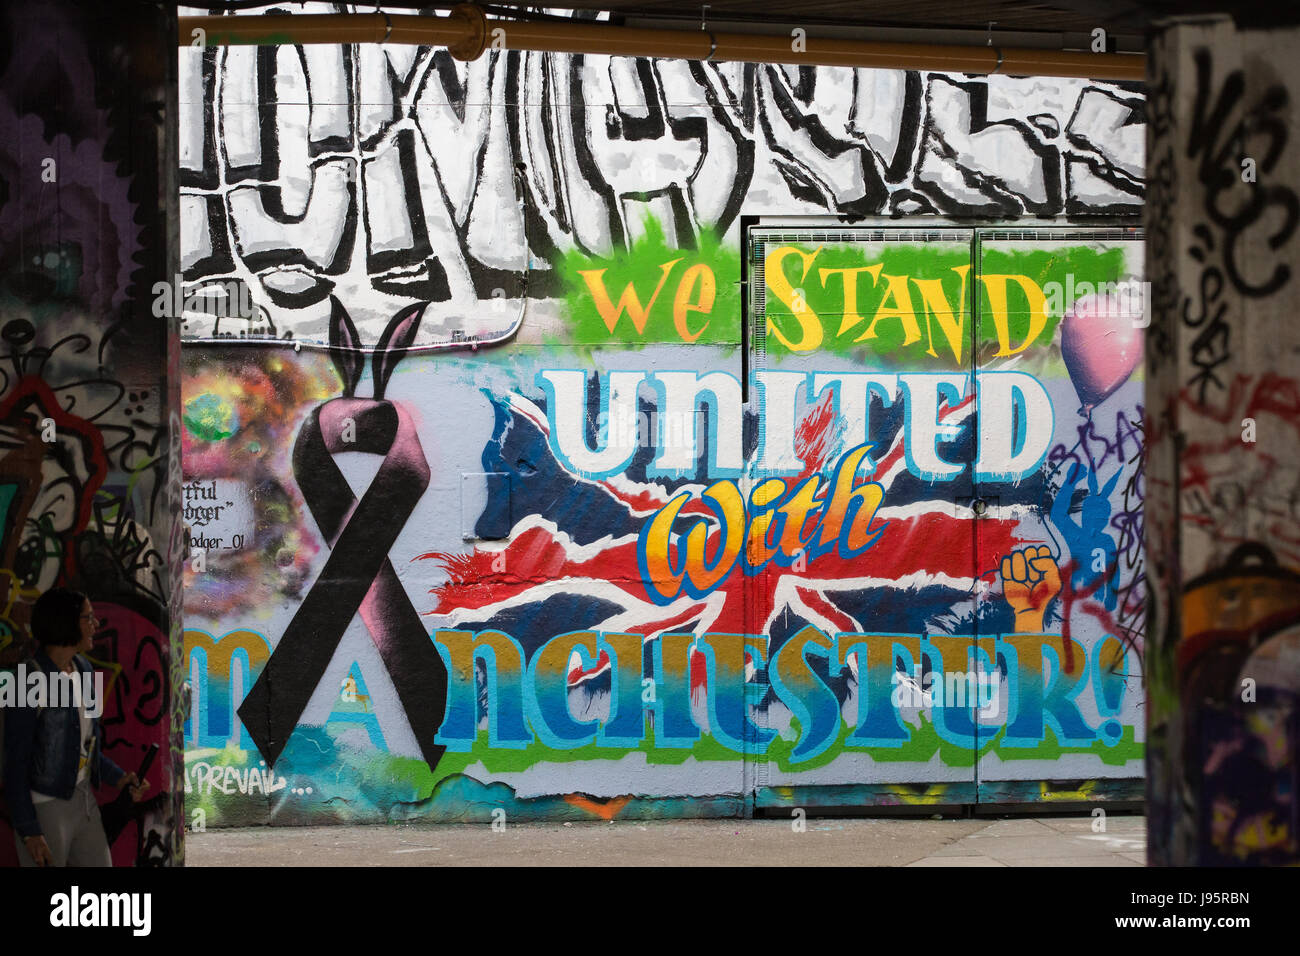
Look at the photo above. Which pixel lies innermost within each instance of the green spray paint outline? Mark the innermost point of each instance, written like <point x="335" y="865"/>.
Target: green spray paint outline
<point x="1043" y="265"/>
<point x="386" y="773"/>
<point x="640" y="265"/>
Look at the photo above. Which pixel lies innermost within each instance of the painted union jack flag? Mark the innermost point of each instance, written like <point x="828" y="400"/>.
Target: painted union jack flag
<point x="571" y="559"/>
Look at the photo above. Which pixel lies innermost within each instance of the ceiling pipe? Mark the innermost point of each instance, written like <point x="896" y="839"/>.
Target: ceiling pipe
<point x="467" y="33"/>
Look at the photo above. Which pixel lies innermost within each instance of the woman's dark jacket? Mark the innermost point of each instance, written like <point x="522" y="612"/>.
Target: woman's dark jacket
<point x="42" y="749"/>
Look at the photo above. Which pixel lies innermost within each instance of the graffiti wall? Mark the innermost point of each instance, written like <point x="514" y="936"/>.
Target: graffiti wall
<point x="996" y="383"/>
<point x="1225" y="675"/>
<point x="571" y="487"/>
<point x="89" y="443"/>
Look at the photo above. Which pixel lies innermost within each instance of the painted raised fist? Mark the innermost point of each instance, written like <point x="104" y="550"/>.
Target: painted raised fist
<point x="1030" y="579"/>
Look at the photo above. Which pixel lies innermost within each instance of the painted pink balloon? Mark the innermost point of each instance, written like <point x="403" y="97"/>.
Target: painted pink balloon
<point x="1101" y="342"/>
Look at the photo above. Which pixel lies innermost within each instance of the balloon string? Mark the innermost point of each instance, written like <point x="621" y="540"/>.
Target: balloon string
<point x="1086" y="411"/>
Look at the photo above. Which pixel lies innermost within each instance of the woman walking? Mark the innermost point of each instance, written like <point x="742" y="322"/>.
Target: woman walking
<point x="54" y="755"/>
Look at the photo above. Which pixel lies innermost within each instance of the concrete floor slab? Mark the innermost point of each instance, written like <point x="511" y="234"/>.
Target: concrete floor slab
<point x="1127" y="825"/>
<point x="1022" y="826"/>
<point x="822" y="842"/>
<point x="1033" y="847"/>
<point x="958" y="861"/>
<point x="1089" y="861"/>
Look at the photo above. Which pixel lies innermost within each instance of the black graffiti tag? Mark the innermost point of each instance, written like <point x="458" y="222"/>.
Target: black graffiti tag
<point x="1226" y="136"/>
<point x="1234" y="205"/>
<point x="358" y="576"/>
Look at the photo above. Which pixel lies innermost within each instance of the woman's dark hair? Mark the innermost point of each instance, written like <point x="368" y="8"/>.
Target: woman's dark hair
<point x="56" y="617"/>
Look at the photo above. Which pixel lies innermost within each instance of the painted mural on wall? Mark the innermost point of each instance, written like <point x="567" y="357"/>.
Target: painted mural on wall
<point x="619" y="562"/>
<point x="640" y="588"/>
<point x="388" y="175"/>
<point x="86" y="453"/>
<point x="1225" y="672"/>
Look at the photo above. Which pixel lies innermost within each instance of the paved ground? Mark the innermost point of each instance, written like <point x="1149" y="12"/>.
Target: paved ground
<point x="1023" y="841"/>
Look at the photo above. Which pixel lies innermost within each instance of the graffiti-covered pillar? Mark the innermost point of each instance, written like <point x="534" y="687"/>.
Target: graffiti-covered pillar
<point x="89" y="386"/>
<point x="1223" y="425"/>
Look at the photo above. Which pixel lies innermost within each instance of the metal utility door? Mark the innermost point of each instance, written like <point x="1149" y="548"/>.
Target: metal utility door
<point x="863" y="337"/>
<point x="1063" y="626"/>
<point x="976" y="638"/>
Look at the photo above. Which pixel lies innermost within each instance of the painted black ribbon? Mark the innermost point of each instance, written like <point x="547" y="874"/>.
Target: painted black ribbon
<point x="357" y="577"/>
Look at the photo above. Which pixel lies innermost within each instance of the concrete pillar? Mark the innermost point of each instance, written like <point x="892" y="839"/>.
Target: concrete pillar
<point x="90" y="374"/>
<point x="1223" y="432"/>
